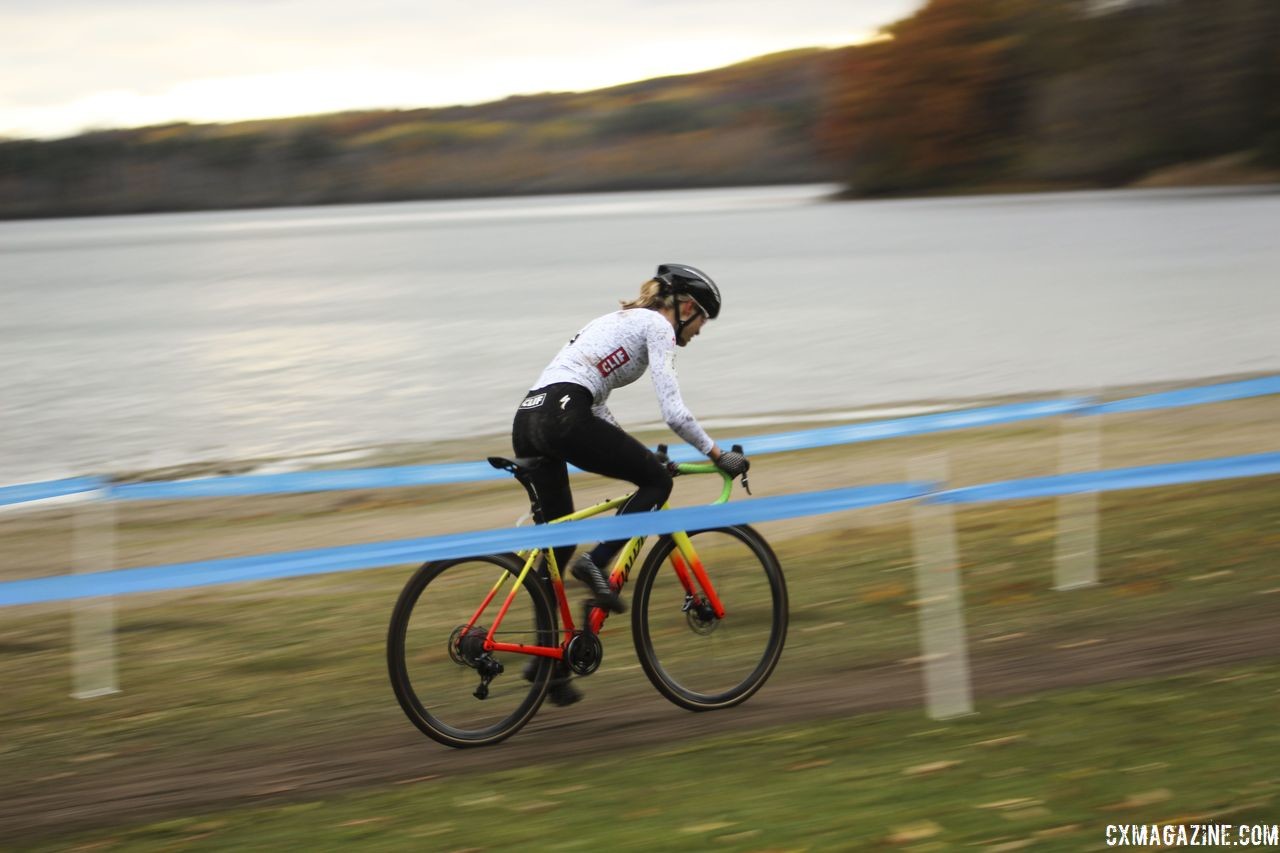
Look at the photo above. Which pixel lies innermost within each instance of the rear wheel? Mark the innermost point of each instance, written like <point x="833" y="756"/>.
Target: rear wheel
<point x="438" y="667"/>
<point x="695" y="659"/>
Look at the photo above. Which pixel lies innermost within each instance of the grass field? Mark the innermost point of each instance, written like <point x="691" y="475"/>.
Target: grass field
<point x="233" y="695"/>
<point x="1047" y="772"/>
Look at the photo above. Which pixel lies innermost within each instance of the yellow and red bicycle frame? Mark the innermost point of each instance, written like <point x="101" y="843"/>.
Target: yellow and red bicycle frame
<point x="684" y="560"/>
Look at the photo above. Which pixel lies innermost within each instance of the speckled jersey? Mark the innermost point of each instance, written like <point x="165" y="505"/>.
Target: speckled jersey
<point x="613" y="351"/>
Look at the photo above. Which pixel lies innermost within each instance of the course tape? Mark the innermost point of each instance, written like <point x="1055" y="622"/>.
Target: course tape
<point x="1115" y="479"/>
<point x="809" y="439"/>
<point x="373" y="555"/>
<point x="348" y="557"/>
<point x="310" y="481"/>
<point x="1190" y="396"/>
<point x="463" y="472"/>
<point x="27" y="492"/>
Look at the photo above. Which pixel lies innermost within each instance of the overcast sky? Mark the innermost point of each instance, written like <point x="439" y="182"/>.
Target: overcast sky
<point x="72" y="65"/>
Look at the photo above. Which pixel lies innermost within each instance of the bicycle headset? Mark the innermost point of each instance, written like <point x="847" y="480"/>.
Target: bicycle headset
<point x="683" y="280"/>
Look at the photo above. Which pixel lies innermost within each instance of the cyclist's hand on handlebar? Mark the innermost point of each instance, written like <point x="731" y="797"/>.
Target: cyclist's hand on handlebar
<point x="733" y="463"/>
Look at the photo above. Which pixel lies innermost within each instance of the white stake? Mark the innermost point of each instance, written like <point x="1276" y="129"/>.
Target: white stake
<point x="943" y="640"/>
<point x="93" y="620"/>
<point x="1076" y="557"/>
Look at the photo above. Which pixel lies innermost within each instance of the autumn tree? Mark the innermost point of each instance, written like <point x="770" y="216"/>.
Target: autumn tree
<point x="940" y="99"/>
<point x="999" y="92"/>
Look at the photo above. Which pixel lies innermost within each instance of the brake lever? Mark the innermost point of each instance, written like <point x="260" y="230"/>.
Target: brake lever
<point x="672" y="468"/>
<point x="737" y="448"/>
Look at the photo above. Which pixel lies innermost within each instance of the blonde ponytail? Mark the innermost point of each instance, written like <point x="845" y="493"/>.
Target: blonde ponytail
<point x="650" y="297"/>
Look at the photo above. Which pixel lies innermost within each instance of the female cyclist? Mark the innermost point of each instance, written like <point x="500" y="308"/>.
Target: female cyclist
<point x="565" y="419"/>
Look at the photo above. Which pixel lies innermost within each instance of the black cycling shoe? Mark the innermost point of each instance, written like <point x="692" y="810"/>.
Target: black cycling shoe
<point x="585" y="570"/>
<point x="562" y="691"/>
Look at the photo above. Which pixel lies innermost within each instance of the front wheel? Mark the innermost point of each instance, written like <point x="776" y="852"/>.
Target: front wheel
<point x="448" y="685"/>
<point x="695" y="659"/>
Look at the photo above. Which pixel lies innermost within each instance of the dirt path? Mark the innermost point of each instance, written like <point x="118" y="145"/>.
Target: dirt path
<point x="148" y="790"/>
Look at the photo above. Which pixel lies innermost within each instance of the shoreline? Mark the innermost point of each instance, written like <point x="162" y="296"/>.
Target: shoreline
<point x="1183" y="178"/>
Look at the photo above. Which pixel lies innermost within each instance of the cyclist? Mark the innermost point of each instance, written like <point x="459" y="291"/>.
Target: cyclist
<point x="565" y="419"/>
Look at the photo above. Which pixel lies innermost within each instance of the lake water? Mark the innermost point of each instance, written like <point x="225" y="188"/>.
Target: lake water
<point x="143" y="341"/>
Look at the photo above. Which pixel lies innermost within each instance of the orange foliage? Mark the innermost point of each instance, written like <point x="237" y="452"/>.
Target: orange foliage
<point x="932" y="103"/>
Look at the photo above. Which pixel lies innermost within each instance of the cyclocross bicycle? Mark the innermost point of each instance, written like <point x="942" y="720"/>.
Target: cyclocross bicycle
<point x="709" y="619"/>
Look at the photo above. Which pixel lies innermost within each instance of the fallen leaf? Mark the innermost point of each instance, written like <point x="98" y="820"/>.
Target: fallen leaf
<point x="478" y="801"/>
<point x="914" y="832"/>
<point x="916" y="661"/>
<point x="1055" y="831"/>
<point x="735" y="837"/>
<point x="1008" y="804"/>
<point x="706" y="827"/>
<point x="1145" y="768"/>
<point x="1003" y="637"/>
<point x="1026" y="814"/>
<point x="362" y="821"/>
<point x="1079" y="644"/>
<point x="882" y="593"/>
<point x="1018" y="844"/>
<point x="934" y="767"/>
<point x="1146" y="798"/>
<point x="418" y="779"/>
<point x="830" y="626"/>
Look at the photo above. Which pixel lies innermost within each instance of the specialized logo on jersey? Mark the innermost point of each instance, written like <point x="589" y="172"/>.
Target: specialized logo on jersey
<point x="532" y="402"/>
<point x="612" y="361"/>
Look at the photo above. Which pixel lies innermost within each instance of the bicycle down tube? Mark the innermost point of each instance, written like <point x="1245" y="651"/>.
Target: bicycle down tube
<point x="684" y="561"/>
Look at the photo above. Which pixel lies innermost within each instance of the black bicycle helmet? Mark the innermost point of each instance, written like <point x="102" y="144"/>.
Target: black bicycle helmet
<point x="684" y="280"/>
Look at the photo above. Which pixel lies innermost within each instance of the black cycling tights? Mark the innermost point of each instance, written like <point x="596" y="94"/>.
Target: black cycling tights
<point x="562" y="428"/>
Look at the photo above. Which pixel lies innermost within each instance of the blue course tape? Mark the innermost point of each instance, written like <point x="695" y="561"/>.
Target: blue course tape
<point x="1190" y="396"/>
<point x="348" y="557"/>
<point x="465" y="472"/>
<point x="310" y="481"/>
<point x="808" y="439"/>
<point x="1143" y="477"/>
<point x="27" y="492"/>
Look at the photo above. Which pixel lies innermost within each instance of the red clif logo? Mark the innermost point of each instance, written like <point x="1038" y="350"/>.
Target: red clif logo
<point x="612" y="361"/>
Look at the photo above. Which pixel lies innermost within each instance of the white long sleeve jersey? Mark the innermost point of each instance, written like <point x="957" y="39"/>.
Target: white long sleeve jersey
<point x="613" y="351"/>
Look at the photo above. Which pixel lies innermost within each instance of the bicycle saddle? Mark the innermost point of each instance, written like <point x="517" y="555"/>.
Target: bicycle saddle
<point x="520" y="466"/>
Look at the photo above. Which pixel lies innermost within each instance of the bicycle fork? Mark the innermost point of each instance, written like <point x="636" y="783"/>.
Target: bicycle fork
<point x="688" y="567"/>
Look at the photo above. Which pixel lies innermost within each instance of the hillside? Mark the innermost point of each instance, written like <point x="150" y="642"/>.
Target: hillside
<point x="749" y="123"/>
<point x="962" y="96"/>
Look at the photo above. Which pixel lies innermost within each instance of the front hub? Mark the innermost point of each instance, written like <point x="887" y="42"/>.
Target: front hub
<point x="701" y="616"/>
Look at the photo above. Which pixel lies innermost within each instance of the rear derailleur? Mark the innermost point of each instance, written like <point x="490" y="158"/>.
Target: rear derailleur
<point x="489" y="668"/>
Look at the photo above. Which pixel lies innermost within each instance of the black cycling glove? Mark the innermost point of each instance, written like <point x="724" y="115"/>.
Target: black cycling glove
<point x="733" y="463"/>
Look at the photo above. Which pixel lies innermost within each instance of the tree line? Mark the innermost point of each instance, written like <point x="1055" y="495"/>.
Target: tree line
<point x="962" y="95"/>
<point x="980" y="93"/>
